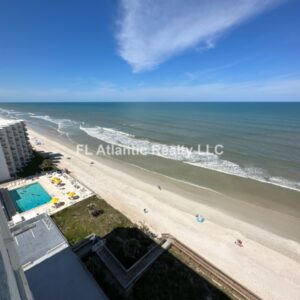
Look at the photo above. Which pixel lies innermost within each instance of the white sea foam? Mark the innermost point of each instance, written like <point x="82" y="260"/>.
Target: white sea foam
<point x="199" y="159"/>
<point x="10" y="113"/>
<point x="63" y="125"/>
<point x="119" y="138"/>
<point x="285" y="183"/>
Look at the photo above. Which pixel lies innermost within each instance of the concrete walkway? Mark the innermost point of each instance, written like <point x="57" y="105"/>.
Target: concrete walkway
<point x="127" y="277"/>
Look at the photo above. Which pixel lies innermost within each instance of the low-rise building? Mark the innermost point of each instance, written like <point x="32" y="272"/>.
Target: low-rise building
<point x="13" y="282"/>
<point x="36" y="262"/>
<point x="15" y="148"/>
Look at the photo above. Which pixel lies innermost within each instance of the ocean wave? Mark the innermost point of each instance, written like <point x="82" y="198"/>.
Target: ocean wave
<point x="123" y="139"/>
<point x="63" y="125"/>
<point x="285" y="183"/>
<point x="195" y="158"/>
<point x="198" y="159"/>
<point x="10" y="113"/>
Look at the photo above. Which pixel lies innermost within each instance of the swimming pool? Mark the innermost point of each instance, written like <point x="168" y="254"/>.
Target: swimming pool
<point x="29" y="197"/>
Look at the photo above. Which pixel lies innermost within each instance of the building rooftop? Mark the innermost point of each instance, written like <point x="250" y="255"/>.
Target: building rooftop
<point x="37" y="239"/>
<point x="52" y="269"/>
<point x="63" y="276"/>
<point x="4" y="288"/>
<point x="13" y="283"/>
<point x="8" y="122"/>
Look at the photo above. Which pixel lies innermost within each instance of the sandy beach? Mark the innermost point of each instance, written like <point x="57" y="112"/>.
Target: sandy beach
<point x="271" y="253"/>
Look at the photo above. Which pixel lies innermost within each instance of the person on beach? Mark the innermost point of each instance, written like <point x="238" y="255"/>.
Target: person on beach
<point x="199" y="218"/>
<point x="239" y="243"/>
<point x="159" y="187"/>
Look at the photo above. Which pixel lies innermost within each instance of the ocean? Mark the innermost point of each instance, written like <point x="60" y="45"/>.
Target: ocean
<point x="261" y="141"/>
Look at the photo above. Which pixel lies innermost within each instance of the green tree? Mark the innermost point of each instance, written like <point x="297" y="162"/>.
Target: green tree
<point x="46" y="164"/>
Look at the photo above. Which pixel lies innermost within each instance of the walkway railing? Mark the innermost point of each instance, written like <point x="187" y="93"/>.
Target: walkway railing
<point x="218" y="277"/>
<point x="127" y="277"/>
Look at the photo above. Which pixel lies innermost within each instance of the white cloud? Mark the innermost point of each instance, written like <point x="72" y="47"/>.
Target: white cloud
<point x="152" y="31"/>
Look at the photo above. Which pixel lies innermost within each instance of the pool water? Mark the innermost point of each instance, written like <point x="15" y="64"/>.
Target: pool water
<point x="29" y="197"/>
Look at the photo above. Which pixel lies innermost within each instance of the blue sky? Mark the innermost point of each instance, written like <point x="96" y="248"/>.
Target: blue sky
<point x="150" y="50"/>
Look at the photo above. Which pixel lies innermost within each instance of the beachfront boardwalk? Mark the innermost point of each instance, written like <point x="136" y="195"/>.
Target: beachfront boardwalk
<point x="212" y="273"/>
<point x="127" y="277"/>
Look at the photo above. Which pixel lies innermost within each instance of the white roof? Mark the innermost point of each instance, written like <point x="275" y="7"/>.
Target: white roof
<point x="8" y="122"/>
<point x="17" y="218"/>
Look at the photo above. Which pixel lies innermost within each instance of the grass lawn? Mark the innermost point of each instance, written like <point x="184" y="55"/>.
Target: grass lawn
<point x="76" y="222"/>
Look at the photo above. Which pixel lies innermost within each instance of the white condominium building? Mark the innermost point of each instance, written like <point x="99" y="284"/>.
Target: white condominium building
<point x="15" y="149"/>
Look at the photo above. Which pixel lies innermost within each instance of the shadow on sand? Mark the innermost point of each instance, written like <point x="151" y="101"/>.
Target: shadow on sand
<point x="34" y="166"/>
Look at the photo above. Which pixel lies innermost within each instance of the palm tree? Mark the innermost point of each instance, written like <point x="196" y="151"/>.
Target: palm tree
<point x="46" y="164"/>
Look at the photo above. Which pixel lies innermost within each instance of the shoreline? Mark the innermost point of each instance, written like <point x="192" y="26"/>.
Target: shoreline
<point x="263" y="205"/>
<point x="276" y="179"/>
<point x="273" y="259"/>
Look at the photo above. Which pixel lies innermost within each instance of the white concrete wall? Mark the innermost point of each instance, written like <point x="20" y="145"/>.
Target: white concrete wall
<point x="4" y="173"/>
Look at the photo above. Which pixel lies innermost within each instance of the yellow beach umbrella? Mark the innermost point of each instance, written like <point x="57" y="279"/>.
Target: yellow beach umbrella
<point x="71" y="194"/>
<point x="58" y="181"/>
<point x="54" y="178"/>
<point x="54" y="200"/>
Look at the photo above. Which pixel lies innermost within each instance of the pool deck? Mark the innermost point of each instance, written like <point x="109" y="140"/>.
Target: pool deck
<point x="69" y="184"/>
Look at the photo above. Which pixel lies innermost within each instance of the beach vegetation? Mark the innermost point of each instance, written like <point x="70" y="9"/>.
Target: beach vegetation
<point x="46" y="165"/>
<point x="39" y="163"/>
<point x="76" y="222"/>
<point x="131" y="248"/>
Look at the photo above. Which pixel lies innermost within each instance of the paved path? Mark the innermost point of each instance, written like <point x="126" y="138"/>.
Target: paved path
<point x="127" y="277"/>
